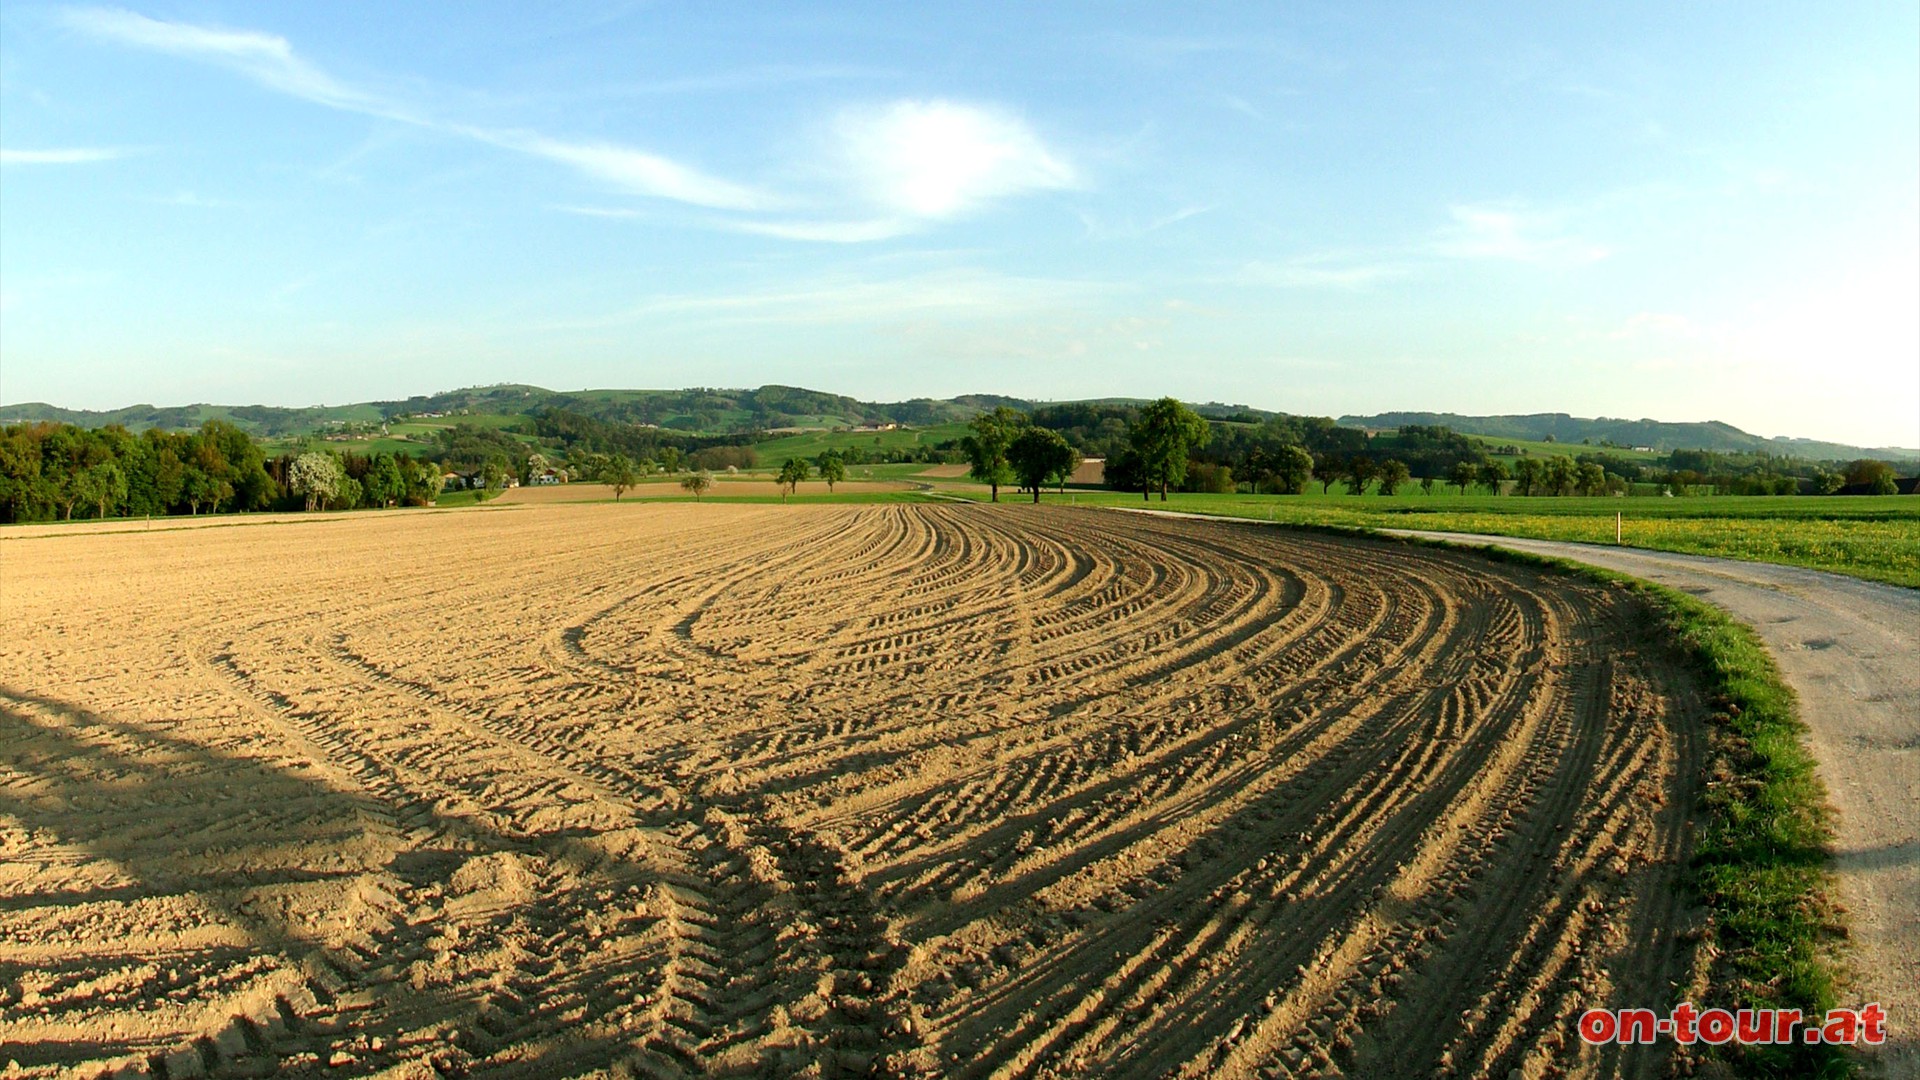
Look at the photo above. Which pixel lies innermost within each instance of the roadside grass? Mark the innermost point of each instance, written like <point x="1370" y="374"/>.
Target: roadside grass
<point x="1871" y="537"/>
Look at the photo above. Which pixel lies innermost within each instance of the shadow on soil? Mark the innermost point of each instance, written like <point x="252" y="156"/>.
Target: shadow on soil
<point x="206" y="834"/>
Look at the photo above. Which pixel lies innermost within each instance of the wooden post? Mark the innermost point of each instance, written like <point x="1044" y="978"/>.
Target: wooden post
<point x="1616" y="526"/>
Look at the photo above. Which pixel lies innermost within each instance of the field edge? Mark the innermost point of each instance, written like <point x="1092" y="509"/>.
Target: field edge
<point x="1762" y="860"/>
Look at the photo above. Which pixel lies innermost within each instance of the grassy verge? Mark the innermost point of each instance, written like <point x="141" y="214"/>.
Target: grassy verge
<point x="1876" y="538"/>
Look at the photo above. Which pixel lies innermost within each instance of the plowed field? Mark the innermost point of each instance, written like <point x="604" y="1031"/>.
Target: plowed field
<point x="676" y="790"/>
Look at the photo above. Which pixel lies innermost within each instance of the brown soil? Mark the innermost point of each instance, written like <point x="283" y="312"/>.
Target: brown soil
<point x="670" y="489"/>
<point x="1090" y="472"/>
<point x="825" y="790"/>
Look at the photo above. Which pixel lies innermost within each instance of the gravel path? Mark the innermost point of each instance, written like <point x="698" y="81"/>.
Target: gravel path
<point x="1851" y="649"/>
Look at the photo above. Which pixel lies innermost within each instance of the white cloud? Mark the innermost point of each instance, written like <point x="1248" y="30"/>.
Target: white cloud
<point x="630" y="170"/>
<point x="1509" y="233"/>
<point x="1129" y="229"/>
<point x="937" y="159"/>
<point x="65" y="156"/>
<point x="270" y="60"/>
<point x="915" y="161"/>
<point x="830" y="232"/>
<point x="266" y="58"/>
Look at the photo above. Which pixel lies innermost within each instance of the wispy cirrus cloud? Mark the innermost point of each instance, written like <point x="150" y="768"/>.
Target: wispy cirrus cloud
<point x="899" y="167"/>
<point x="1099" y="228"/>
<point x="70" y="155"/>
<point x="270" y="61"/>
<point x="830" y="232"/>
<point x="267" y="59"/>
<point x="631" y="170"/>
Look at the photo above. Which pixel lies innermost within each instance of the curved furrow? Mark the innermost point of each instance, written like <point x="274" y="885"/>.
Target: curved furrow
<point x="965" y="790"/>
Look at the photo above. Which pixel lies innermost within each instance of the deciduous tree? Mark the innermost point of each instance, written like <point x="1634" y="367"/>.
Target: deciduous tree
<point x="1526" y="476"/>
<point x="1360" y="472"/>
<point x="1393" y="473"/>
<point x="792" y="473"/>
<point x="832" y="468"/>
<point x="1292" y="466"/>
<point x="619" y="473"/>
<point x="1462" y="475"/>
<point x="1162" y="435"/>
<point x="315" y="477"/>
<point x="383" y="485"/>
<point x="493" y="478"/>
<point x="1037" y="455"/>
<point x="986" y="447"/>
<point x="1327" y="469"/>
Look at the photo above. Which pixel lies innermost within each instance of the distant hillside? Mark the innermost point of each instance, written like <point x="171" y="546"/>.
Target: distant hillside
<point x="717" y="411"/>
<point x="699" y="409"/>
<point x="1561" y="428"/>
<point x="262" y="420"/>
<point x="705" y="410"/>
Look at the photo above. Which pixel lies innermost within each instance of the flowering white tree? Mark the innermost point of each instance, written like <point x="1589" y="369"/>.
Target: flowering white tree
<point x="316" y="476"/>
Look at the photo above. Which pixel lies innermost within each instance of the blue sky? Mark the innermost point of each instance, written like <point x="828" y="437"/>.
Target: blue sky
<point x="1683" y="212"/>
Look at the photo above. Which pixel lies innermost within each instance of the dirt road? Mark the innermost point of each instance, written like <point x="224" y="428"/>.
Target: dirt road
<point x="1852" y="650"/>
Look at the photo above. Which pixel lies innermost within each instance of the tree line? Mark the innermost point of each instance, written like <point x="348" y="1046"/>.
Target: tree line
<point x="54" y="471"/>
<point x="57" y="472"/>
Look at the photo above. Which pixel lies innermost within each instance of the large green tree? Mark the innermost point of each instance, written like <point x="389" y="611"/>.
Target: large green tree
<point x="986" y="446"/>
<point x="1590" y="479"/>
<point x="383" y="486"/>
<point x="1163" y="434"/>
<point x="792" y="473"/>
<point x="1527" y="475"/>
<point x="1560" y="474"/>
<point x="1291" y="467"/>
<point x="833" y="468"/>
<point x="1393" y="473"/>
<point x="619" y="473"/>
<point x="1492" y="474"/>
<point x="1463" y="475"/>
<point x="1327" y="469"/>
<point x="1360" y="472"/>
<point x="1037" y="455"/>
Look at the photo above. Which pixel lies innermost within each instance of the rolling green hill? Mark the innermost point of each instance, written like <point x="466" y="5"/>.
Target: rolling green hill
<point x="717" y="412"/>
<point x="1560" y="428"/>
